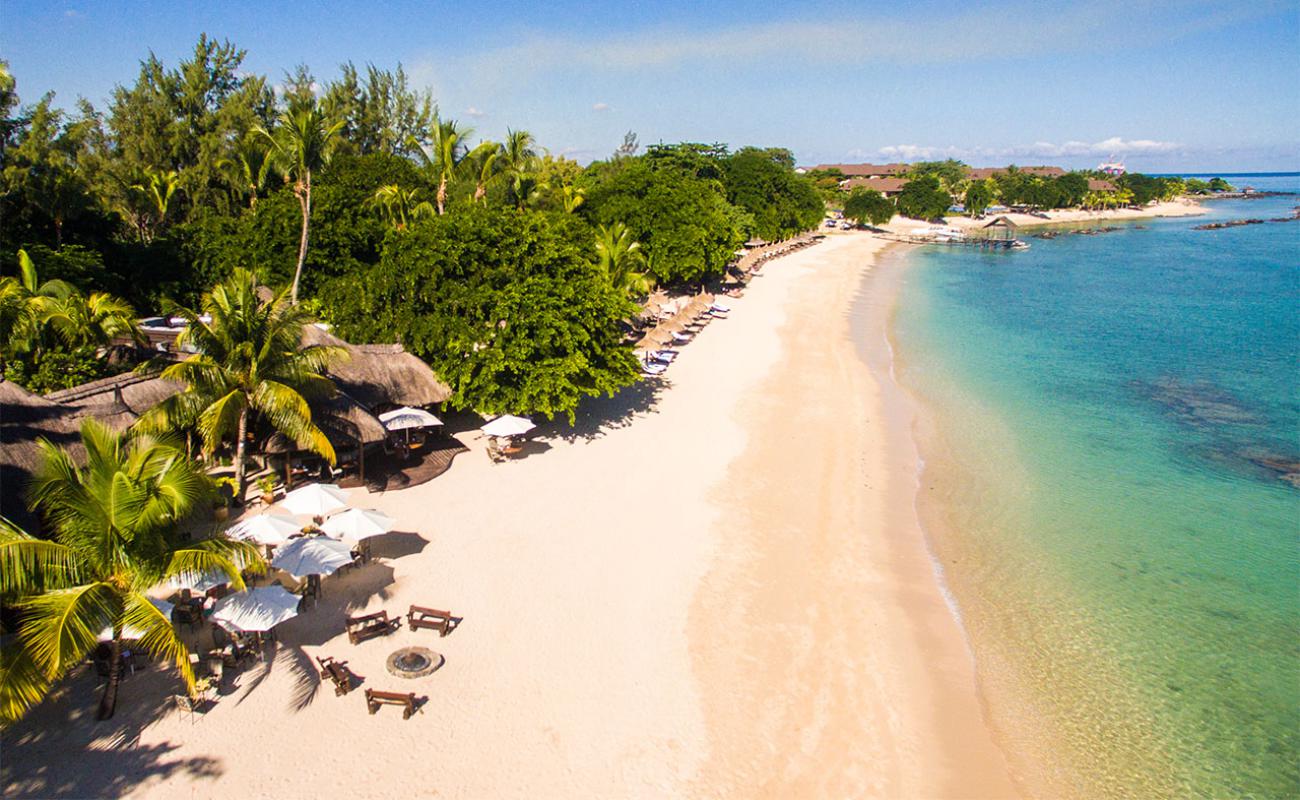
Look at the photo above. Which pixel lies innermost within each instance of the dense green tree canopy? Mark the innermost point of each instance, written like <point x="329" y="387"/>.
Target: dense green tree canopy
<point x="688" y="229"/>
<point x="508" y="307"/>
<point x="869" y="206"/>
<point x="764" y="183"/>
<point x="923" y="198"/>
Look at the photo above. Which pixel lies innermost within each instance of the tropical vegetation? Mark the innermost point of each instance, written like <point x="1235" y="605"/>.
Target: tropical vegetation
<point x="250" y="364"/>
<point x="115" y="523"/>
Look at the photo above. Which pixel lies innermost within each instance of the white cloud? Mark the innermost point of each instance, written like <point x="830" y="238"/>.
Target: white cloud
<point x="600" y="107"/>
<point x="71" y="13"/>
<point x="1114" y="145"/>
<point x="476" y="113"/>
<point x="1011" y="30"/>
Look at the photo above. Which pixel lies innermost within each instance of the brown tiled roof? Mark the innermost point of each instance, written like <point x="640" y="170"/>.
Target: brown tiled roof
<point x="865" y="170"/>
<point x="882" y="185"/>
<point x="1096" y="185"/>
<point x="988" y="172"/>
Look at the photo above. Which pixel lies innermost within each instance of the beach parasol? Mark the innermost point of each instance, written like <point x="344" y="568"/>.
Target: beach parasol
<point x="406" y="418"/>
<point x="315" y="499"/>
<point x="265" y="529"/>
<point x="129" y="632"/>
<point x="508" y="425"/>
<point x="256" y="610"/>
<point x="312" y="555"/>
<point x="356" y="524"/>
<point x="199" y="581"/>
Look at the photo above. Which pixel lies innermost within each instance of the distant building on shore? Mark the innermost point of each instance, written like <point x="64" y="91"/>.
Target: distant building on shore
<point x="889" y="187"/>
<point x="860" y="170"/>
<point x="980" y="173"/>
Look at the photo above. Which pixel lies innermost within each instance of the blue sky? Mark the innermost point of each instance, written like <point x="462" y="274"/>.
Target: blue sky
<point x="1165" y="85"/>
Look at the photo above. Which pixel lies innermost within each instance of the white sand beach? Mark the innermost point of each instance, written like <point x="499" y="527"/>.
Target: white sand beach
<point x="713" y="586"/>
<point x="1182" y="207"/>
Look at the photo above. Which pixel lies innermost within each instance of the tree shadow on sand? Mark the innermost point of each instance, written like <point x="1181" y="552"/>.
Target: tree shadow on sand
<point x="596" y="416"/>
<point x="59" y="750"/>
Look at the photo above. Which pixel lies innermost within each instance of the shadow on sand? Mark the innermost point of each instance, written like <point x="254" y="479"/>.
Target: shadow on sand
<point x="59" y="750"/>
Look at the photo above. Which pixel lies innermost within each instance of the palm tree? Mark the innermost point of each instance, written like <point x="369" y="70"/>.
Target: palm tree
<point x="400" y="206"/>
<point x="25" y="304"/>
<point x="302" y="144"/>
<point x="484" y="163"/>
<point x="519" y="159"/>
<point x="156" y="192"/>
<point x="250" y="168"/>
<point x="618" y="254"/>
<point x="449" y="150"/>
<point x="92" y="320"/>
<point x="249" y="358"/>
<point x="114" y="523"/>
<point x="572" y="197"/>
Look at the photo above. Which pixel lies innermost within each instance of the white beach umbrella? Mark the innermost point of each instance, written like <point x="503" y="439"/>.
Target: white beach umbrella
<point x="356" y="524"/>
<point x="258" y="609"/>
<point x="266" y="529"/>
<point x="199" y="581"/>
<point x="129" y="632"/>
<point x="315" y="499"/>
<point x="312" y="555"/>
<point x="508" y="425"/>
<point x="407" y="417"/>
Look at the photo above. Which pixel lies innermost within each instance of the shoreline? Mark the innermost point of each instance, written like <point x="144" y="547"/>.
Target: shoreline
<point x="866" y="684"/>
<point x="1174" y="208"/>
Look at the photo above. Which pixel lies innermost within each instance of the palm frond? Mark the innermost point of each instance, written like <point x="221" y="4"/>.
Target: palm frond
<point x="28" y="564"/>
<point x="62" y="626"/>
<point x="158" y="637"/>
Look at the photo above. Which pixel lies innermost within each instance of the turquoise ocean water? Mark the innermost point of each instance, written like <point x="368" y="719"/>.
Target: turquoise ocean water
<point x="1108" y="420"/>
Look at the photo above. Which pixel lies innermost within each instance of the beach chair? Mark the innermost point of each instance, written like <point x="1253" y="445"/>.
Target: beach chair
<point x="376" y="698"/>
<point x="370" y="625"/>
<point x="433" y="619"/>
<point x="337" y="673"/>
<point x="185" y="705"/>
<point x="653" y="369"/>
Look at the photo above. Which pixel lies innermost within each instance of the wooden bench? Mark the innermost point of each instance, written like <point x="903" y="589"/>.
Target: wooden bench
<point x="374" y="699"/>
<point x="365" y="627"/>
<point x="433" y="619"/>
<point x="336" y="672"/>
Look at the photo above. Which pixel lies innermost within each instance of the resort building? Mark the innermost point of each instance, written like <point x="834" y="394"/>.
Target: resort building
<point x="889" y="187"/>
<point x="860" y="170"/>
<point x="979" y="173"/>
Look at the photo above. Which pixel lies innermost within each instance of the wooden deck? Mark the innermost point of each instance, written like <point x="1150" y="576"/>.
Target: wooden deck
<point x="386" y="472"/>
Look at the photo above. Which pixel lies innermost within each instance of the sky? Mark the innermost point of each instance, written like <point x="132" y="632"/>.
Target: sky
<point x="1179" y="85"/>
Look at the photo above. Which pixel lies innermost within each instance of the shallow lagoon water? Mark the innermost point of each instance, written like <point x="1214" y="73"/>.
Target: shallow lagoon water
<point x="1109" y="422"/>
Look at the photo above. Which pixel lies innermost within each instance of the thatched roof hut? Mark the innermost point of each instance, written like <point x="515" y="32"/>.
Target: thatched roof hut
<point x="26" y="418"/>
<point x="381" y="374"/>
<point x="137" y="392"/>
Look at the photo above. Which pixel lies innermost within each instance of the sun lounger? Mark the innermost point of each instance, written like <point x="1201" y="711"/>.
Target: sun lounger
<point x="433" y="619"/>
<point x="723" y="307"/>
<point x="681" y="337"/>
<point x="371" y="625"/>
<point x="653" y="369"/>
<point x="666" y="354"/>
<point x="375" y="698"/>
<point x="337" y="673"/>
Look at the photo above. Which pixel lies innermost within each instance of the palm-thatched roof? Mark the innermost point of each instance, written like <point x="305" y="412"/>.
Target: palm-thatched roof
<point x="379" y="374"/>
<point x="138" y="392"/>
<point x="25" y="419"/>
